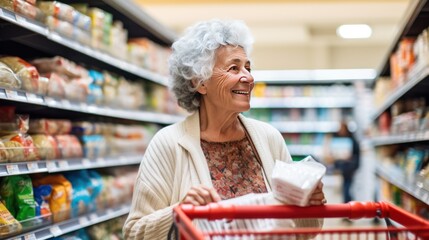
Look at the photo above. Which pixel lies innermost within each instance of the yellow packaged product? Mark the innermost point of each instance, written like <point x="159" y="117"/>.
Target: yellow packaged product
<point x="60" y="199"/>
<point x="8" y="224"/>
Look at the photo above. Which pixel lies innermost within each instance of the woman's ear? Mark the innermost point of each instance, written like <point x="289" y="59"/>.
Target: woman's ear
<point x="202" y="89"/>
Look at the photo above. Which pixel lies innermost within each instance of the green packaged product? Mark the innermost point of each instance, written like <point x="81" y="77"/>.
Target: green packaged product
<point x="17" y="194"/>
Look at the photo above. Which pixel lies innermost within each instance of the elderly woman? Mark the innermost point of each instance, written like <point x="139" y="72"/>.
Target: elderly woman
<point x="215" y="153"/>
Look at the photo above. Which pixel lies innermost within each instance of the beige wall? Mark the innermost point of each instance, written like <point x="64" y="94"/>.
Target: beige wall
<point x="317" y="57"/>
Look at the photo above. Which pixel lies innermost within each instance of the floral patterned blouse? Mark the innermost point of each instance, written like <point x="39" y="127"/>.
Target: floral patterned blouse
<point x="234" y="168"/>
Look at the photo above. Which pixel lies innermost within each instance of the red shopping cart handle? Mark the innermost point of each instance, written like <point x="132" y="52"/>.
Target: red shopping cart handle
<point x="184" y="214"/>
<point x="352" y="210"/>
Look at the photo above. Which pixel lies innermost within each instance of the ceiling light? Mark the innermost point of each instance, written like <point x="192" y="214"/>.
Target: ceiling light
<point x="350" y="31"/>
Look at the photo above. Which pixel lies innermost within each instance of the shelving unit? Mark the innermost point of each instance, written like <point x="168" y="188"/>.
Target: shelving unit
<point x="50" y="105"/>
<point x="395" y="176"/>
<point x="27" y="38"/>
<point x="415" y="85"/>
<point x="74" y="224"/>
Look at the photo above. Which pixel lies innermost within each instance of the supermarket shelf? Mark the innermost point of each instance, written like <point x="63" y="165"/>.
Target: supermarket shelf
<point x="395" y="176"/>
<point x="307" y="126"/>
<point x="135" y="19"/>
<point x="303" y="102"/>
<point x="416" y="79"/>
<point x="64" y="104"/>
<point x="304" y="149"/>
<point x="398" y="139"/>
<point x="62" y="165"/>
<point x="54" y="43"/>
<point x="71" y="225"/>
<point x="9" y="169"/>
<point x="414" y="21"/>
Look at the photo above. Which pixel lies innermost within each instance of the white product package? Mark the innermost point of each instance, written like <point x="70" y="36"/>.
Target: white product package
<point x="293" y="183"/>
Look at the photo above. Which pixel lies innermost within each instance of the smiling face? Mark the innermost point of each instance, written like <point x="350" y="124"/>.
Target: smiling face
<point x="231" y="84"/>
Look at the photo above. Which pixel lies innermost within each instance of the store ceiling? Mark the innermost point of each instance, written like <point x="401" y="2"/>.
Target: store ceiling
<point x="295" y="34"/>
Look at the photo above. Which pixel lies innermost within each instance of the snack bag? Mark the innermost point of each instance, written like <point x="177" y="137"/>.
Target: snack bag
<point x="61" y="196"/>
<point x="17" y="193"/>
<point x="42" y="194"/>
<point x="293" y="183"/>
<point x="8" y="224"/>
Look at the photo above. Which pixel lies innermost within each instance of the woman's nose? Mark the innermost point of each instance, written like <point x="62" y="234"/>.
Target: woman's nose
<point x="247" y="78"/>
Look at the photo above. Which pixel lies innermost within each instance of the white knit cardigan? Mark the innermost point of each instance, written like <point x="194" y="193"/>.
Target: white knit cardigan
<point x="174" y="162"/>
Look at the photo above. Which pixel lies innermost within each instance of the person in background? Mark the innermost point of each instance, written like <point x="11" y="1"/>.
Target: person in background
<point x="216" y="153"/>
<point x="347" y="166"/>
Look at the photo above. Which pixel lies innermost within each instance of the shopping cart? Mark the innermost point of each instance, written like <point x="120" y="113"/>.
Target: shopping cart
<point x="400" y="224"/>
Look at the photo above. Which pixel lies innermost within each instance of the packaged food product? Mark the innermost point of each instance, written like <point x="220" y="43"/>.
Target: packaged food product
<point x="4" y="156"/>
<point x="8" y="79"/>
<point x="8" y="224"/>
<point x="27" y="73"/>
<point x="42" y="194"/>
<point x="25" y="8"/>
<point x="55" y="85"/>
<point x="57" y="65"/>
<point x="67" y="29"/>
<point x="43" y="85"/>
<point x="65" y="12"/>
<point x="69" y="146"/>
<point x="17" y="194"/>
<point x="85" y="128"/>
<point x="94" y="146"/>
<point x="20" y="147"/>
<point x="81" y="198"/>
<point x="95" y="94"/>
<point x="61" y="196"/>
<point x="50" y="126"/>
<point x="47" y="147"/>
<point x="11" y="122"/>
<point x="293" y="183"/>
<point x="76" y="90"/>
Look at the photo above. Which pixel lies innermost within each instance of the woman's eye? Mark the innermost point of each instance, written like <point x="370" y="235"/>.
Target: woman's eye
<point x="249" y="69"/>
<point x="233" y="68"/>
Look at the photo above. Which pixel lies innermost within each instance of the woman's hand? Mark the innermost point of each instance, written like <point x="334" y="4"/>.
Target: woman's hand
<point x="201" y="195"/>
<point x="318" y="197"/>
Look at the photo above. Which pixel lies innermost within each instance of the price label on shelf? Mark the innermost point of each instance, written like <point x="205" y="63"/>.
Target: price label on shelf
<point x="30" y="236"/>
<point x="11" y="94"/>
<point x="12" y="169"/>
<point x="56" y="231"/>
<point x="109" y="211"/>
<point x="83" y="221"/>
<point x="83" y="107"/>
<point x="51" y="101"/>
<point x="101" y="161"/>
<point x="65" y="103"/>
<point x="63" y="164"/>
<point x="51" y="165"/>
<point x="86" y="162"/>
<point x="34" y="98"/>
<point x="93" y="217"/>
<point x="123" y="160"/>
<point x="32" y="166"/>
